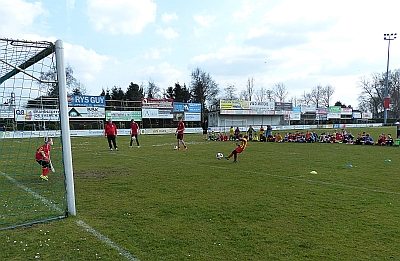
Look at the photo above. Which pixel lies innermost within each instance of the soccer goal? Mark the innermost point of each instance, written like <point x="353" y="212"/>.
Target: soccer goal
<point x="34" y="108"/>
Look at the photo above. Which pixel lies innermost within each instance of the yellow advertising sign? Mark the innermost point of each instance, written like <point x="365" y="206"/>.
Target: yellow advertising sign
<point x="234" y="105"/>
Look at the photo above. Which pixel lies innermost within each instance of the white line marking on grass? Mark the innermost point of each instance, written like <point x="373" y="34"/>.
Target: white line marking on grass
<point x="106" y="240"/>
<point x="44" y="200"/>
<point x="80" y="223"/>
<point x="377" y="190"/>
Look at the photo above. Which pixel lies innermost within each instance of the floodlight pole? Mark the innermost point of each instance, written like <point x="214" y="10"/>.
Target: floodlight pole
<point x="386" y="101"/>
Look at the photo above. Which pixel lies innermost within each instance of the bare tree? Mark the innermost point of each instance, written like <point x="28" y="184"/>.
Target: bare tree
<point x="153" y="91"/>
<point x="270" y="95"/>
<point x="203" y="88"/>
<point x="327" y="93"/>
<point x="243" y="95"/>
<point x="372" y="92"/>
<point x="250" y="88"/>
<point x="230" y="92"/>
<point x="260" y="94"/>
<point x="306" y="98"/>
<point x="280" y="92"/>
<point x="317" y="95"/>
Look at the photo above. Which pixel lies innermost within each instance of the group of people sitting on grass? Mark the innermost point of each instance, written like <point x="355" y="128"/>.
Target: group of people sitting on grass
<point x="339" y="136"/>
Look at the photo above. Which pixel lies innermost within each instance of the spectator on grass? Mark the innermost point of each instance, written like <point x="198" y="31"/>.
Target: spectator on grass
<point x="250" y="132"/>
<point x="268" y="132"/>
<point x="237" y="133"/>
<point x="278" y="137"/>
<point x="398" y="128"/>
<point x="368" y="140"/>
<point x="204" y="126"/>
<point x="231" y="133"/>
<point x="381" y="140"/>
<point x="389" y="140"/>
<point x="261" y="136"/>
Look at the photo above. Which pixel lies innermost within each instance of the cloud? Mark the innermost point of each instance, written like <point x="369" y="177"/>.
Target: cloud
<point x="204" y="20"/>
<point x="86" y="64"/>
<point x="169" y="17"/>
<point x="163" y="74"/>
<point x="18" y="16"/>
<point x="121" y="16"/>
<point x="70" y="4"/>
<point x="168" y="33"/>
<point x="156" y="53"/>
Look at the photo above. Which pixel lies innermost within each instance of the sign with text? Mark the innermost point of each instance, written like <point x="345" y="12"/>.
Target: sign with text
<point x="7" y="113"/>
<point x="356" y="115"/>
<point x="262" y="105"/>
<point x="246" y="112"/>
<point x="157" y="103"/>
<point x="86" y="101"/>
<point x="367" y="115"/>
<point x="192" y="116"/>
<point x="187" y="107"/>
<point x="150" y="113"/>
<point x="346" y="111"/>
<point x="283" y="106"/>
<point x="294" y="116"/>
<point x="86" y="112"/>
<point x="308" y="108"/>
<point x="234" y="105"/>
<point x="37" y="115"/>
<point x="335" y="109"/>
<point x="124" y="115"/>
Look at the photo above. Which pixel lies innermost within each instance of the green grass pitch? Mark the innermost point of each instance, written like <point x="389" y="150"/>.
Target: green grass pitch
<point x="157" y="203"/>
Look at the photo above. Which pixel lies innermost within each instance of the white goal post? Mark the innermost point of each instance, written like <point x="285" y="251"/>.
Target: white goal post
<point x="65" y="132"/>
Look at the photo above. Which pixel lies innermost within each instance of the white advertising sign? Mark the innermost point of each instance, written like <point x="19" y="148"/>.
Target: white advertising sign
<point x="333" y="115"/>
<point x="367" y="115"/>
<point x="7" y="114"/>
<point x="37" y="115"/>
<point x="262" y="106"/>
<point x="189" y="116"/>
<point x="86" y="112"/>
<point x="295" y="116"/>
<point x="357" y="115"/>
<point x="156" y="113"/>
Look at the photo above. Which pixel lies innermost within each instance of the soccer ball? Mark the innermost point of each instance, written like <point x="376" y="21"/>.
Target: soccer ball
<point x="219" y="155"/>
<point x="176" y="147"/>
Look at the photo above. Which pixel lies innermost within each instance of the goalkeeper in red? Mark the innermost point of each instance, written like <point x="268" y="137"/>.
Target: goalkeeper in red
<point x="42" y="157"/>
<point x="239" y="149"/>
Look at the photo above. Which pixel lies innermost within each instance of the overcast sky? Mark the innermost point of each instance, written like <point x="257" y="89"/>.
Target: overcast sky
<point x="301" y="44"/>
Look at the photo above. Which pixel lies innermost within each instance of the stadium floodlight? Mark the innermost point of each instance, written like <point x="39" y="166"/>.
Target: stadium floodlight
<point x="386" y="101"/>
<point x="29" y="71"/>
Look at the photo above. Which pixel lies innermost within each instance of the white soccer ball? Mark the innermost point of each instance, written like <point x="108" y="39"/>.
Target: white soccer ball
<point x="219" y="155"/>
<point x="176" y="147"/>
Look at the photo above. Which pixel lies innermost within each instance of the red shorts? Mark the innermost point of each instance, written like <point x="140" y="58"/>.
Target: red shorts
<point x="239" y="149"/>
<point x="179" y="136"/>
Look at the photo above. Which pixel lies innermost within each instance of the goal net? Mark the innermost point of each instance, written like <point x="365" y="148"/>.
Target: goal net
<point x="32" y="110"/>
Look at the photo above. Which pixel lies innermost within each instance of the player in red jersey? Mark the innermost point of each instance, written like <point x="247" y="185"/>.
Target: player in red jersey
<point x="110" y="131"/>
<point x="134" y="133"/>
<point x="179" y="133"/>
<point x="239" y="149"/>
<point x="42" y="157"/>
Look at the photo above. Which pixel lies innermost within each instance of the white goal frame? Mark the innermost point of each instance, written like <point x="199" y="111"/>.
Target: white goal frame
<point x="58" y="49"/>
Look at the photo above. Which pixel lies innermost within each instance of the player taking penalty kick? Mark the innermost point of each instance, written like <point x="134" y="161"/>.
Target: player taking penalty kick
<point x="239" y="149"/>
<point x="42" y="157"/>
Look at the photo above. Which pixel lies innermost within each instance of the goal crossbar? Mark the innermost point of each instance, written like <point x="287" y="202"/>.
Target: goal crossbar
<point x="39" y="56"/>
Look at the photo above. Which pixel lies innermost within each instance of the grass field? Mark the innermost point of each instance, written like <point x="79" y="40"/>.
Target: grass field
<point x="155" y="203"/>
